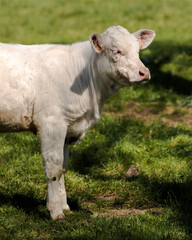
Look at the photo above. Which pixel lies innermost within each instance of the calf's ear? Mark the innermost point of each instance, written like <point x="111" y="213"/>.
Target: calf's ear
<point x="145" y="37"/>
<point x="96" y="42"/>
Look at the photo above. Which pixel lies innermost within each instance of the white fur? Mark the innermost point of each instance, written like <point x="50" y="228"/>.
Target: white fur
<point x="58" y="91"/>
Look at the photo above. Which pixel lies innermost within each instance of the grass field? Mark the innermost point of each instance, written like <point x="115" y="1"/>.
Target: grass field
<point x="147" y="126"/>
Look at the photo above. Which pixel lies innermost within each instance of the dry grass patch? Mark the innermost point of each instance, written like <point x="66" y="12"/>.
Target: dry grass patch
<point x="118" y="213"/>
<point x="151" y="111"/>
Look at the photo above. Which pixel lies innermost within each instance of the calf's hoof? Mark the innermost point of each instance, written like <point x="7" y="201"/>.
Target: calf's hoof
<point x="66" y="208"/>
<point x="57" y="216"/>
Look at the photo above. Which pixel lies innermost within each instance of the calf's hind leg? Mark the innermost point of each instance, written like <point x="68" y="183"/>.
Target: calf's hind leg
<point x="65" y="206"/>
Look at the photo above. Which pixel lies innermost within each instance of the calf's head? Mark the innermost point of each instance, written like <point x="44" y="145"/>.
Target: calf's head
<point x="117" y="53"/>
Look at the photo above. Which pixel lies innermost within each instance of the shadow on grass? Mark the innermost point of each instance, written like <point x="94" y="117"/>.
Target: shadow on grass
<point x="111" y="133"/>
<point x="29" y="204"/>
<point x="176" y="60"/>
<point x="87" y="159"/>
<point x="36" y="207"/>
<point x="177" y="196"/>
<point x="177" y="74"/>
<point x="97" y="151"/>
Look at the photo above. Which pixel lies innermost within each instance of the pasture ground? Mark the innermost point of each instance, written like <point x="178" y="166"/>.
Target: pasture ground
<point x="148" y="126"/>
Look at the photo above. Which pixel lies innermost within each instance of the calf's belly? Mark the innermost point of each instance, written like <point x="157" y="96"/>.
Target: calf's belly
<point x="14" y="122"/>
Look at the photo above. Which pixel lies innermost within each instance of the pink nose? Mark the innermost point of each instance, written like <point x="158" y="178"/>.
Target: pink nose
<point x="144" y="74"/>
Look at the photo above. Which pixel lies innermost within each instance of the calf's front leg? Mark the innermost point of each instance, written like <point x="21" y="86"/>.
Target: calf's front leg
<point x="52" y="138"/>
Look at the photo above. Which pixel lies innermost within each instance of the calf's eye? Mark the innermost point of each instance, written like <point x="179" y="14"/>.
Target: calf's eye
<point x="116" y="51"/>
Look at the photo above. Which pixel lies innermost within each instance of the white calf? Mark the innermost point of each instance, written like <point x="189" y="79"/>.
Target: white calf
<point x="58" y="91"/>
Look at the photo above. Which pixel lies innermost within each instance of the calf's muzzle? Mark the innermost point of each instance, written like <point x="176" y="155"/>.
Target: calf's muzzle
<point x="144" y="74"/>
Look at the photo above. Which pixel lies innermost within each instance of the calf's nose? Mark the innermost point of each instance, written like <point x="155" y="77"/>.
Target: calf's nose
<point x="144" y="74"/>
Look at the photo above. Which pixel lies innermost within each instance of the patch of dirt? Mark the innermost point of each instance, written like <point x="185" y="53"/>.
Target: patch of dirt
<point x="172" y="117"/>
<point x="169" y="115"/>
<point x="123" y="212"/>
<point x="107" y="198"/>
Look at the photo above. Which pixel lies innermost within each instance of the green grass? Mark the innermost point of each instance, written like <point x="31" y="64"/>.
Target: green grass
<point x="148" y="126"/>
